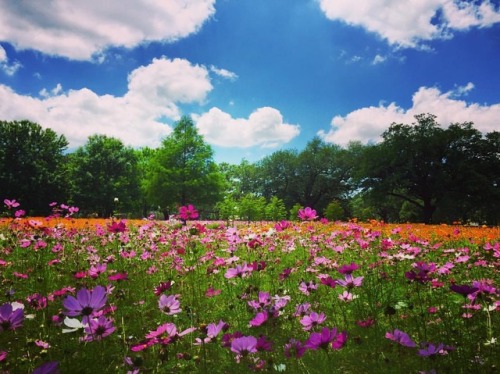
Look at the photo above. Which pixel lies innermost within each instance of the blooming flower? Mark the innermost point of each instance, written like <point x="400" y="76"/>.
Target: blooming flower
<point x="307" y="288"/>
<point x="239" y="271"/>
<point x="431" y="349"/>
<point x="400" y="337"/>
<point x="294" y="349"/>
<point x="169" y="304"/>
<point x="244" y="345"/>
<point x="162" y="287"/>
<point x="348" y="269"/>
<point x="98" y="328"/>
<point x="350" y="282"/>
<point x="86" y="302"/>
<point x="326" y="337"/>
<point x="117" y="227"/>
<point x="11" y="203"/>
<point x="10" y="318"/>
<point x="188" y="212"/>
<point x="307" y="214"/>
<point x="311" y="320"/>
<point x="259" y="319"/>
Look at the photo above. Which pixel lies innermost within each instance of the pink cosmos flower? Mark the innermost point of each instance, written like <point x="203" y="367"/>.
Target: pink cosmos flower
<point x="211" y="292"/>
<point x="312" y="320"/>
<point x="11" y="203"/>
<point x="259" y="319"/>
<point x="307" y="214"/>
<point x="239" y="271"/>
<point x="294" y="349"/>
<point x="98" y="329"/>
<point x="400" y="337"/>
<point x="326" y="337"/>
<point x="350" y="282"/>
<point x="169" y="304"/>
<point x="244" y="345"/>
<point x="307" y="288"/>
<point x="188" y="212"/>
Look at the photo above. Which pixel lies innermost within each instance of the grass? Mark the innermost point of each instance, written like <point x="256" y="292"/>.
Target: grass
<point x="404" y="274"/>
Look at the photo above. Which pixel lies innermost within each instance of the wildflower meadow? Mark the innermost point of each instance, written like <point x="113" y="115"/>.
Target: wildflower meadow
<point x="187" y="296"/>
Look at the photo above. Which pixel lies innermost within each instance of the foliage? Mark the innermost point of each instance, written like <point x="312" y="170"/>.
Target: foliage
<point x="334" y="211"/>
<point x="183" y="171"/>
<point x="32" y="164"/>
<point x="275" y="209"/>
<point x="104" y="176"/>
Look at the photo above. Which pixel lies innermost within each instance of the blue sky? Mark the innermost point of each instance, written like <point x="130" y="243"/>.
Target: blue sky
<point x="255" y="75"/>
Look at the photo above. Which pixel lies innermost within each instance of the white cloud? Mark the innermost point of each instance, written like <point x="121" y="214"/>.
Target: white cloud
<point x="264" y="128"/>
<point x="9" y="69"/>
<point x="82" y="29"/>
<point x="153" y="94"/>
<point x="378" y="59"/>
<point x="406" y="23"/>
<point x="224" y="73"/>
<point x="368" y="124"/>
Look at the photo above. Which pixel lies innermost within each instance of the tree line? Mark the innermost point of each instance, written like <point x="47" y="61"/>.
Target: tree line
<point x="419" y="172"/>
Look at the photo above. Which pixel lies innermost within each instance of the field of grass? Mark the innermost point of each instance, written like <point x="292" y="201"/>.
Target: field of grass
<point x="103" y="296"/>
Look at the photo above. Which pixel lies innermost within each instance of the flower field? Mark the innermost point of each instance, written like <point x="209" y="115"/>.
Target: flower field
<point x="104" y="296"/>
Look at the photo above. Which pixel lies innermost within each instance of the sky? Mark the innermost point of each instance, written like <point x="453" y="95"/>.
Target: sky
<point x="256" y="76"/>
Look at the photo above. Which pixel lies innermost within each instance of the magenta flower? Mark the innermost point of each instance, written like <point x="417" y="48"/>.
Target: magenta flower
<point x="348" y="269"/>
<point x="326" y="337"/>
<point x="294" y="349"/>
<point x="244" y="345"/>
<point x="117" y="227"/>
<point x="212" y="331"/>
<point x="312" y="320"/>
<point x="86" y="303"/>
<point x="10" y="318"/>
<point x="166" y="334"/>
<point x="162" y="287"/>
<point x="264" y="300"/>
<point x="188" y="212"/>
<point x="264" y="344"/>
<point x="98" y="329"/>
<point x="259" y="319"/>
<point x="169" y="304"/>
<point x="307" y="214"/>
<point x="11" y="203"/>
<point x="400" y="337"/>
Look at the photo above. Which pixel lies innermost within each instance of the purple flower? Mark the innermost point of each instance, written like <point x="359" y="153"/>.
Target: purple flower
<point x="307" y="214"/>
<point x="311" y="320"/>
<point x="432" y="350"/>
<point x="464" y="290"/>
<point x="244" y="345"/>
<point x="51" y="367"/>
<point x="11" y="203"/>
<point x="350" y="282"/>
<point x="264" y="300"/>
<point x="400" y="337"/>
<point x="326" y="337"/>
<point x="169" y="304"/>
<point x="98" y="328"/>
<point x="10" y="318"/>
<point x="307" y="288"/>
<point x="294" y="349"/>
<point x="86" y="302"/>
<point x="240" y="271"/>
<point x="264" y="344"/>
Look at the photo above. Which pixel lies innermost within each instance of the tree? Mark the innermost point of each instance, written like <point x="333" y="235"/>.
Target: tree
<point x="31" y="165"/>
<point x="275" y="209"/>
<point x="430" y="167"/>
<point x="104" y="177"/>
<point x="183" y="171"/>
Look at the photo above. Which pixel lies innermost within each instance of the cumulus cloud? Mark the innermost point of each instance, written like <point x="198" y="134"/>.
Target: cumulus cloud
<point x="137" y="118"/>
<point x="81" y="30"/>
<point x="367" y="124"/>
<point x="264" y="128"/>
<point x="406" y="23"/>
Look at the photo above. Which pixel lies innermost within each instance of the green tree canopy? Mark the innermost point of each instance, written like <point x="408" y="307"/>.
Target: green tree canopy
<point x="31" y="164"/>
<point x="183" y="171"/>
<point x="104" y="177"/>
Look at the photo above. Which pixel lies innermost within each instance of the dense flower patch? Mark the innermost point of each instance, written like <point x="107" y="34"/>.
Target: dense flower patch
<point x="310" y="296"/>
